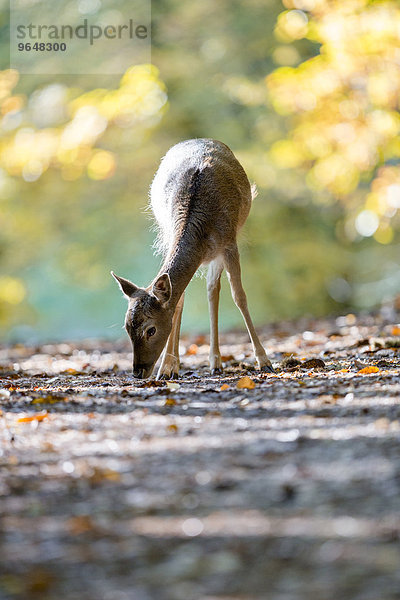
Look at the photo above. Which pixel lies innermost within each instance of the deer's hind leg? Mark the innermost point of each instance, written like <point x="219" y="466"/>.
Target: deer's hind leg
<point x="213" y="289"/>
<point x="169" y="367"/>
<point x="232" y="266"/>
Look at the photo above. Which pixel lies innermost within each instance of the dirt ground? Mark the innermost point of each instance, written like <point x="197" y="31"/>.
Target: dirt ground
<point x="244" y="486"/>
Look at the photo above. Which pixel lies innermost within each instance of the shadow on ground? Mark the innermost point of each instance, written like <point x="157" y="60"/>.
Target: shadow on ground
<point x="118" y="489"/>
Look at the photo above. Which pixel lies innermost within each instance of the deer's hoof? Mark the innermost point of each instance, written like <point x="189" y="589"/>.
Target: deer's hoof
<point x="267" y="369"/>
<point x="167" y="376"/>
<point x="217" y="371"/>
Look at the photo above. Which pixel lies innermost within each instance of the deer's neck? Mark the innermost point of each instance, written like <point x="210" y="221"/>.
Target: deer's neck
<point x="181" y="263"/>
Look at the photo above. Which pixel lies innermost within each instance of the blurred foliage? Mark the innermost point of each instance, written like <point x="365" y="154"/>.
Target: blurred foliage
<point x="305" y="93"/>
<point x="345" y="107"/>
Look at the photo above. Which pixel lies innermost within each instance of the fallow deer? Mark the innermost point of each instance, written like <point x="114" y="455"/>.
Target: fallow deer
<point x="200" y="197"/>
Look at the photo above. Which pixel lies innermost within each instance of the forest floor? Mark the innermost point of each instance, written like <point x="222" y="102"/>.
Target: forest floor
<point x="244" y="486"/>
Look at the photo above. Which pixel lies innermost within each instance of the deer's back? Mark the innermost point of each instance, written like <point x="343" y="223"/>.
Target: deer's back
<point x="201" y="190"/>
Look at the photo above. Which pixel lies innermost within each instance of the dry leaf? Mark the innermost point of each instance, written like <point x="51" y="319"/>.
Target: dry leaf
<point x="193" y="349"/>
<point x="395" y="330"/>
<point x="313" y="363"/>
<point x="99" y="475"/>
<point x="172" y="386"/>
<point x="245" y="383"/>
<point x="289" y="362"/>
<point x="368" y="370"/>
<point x="80" y="524"/>
<point x="169" y="402"/>
<point x="172" y="428"/>
<point x="35" y="417"/>
<point x="49" y="399"/>
<point x="224" y="386"/>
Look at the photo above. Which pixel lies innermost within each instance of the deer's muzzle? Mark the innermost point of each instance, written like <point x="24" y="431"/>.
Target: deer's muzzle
<point x="142" y="371"/>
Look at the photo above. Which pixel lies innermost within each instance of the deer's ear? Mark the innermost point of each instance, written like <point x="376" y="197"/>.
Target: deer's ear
<point x="162" y="288"/>
<point x="127" y="287"/>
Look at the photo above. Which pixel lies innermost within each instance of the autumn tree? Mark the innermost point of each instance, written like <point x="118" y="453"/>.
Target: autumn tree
<point x="342" y="108"/>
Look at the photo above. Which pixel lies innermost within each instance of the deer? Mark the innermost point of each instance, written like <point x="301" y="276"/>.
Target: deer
<point x="200" y="197"/>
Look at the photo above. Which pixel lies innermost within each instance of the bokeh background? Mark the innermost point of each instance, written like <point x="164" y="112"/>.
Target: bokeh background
<point x="305" y="92"/>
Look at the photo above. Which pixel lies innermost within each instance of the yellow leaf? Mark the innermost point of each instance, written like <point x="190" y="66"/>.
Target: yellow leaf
<point x="224" y="386"/>
<point x="368" y="370"/>
<point x="395" y="330"/>
<point x="169" y="402"/>
<point x="172" y="428"/>
<point x="48" y="400"/>
<point x="99" y="475"/>
<point x="36" y="417"/>
<point x="70" y="371"/>
<point x="245" y="383"/>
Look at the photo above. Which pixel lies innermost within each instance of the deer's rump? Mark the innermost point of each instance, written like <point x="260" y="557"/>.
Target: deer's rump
<point x="200" y="190"/>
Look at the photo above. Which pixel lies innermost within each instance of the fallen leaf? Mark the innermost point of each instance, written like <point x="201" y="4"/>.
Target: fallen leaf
<point x="36" y="417"/>
<point x="153" y="383"/>
<point x="193" y="349"/>
<point x="289" y="362"/>
<point x="39" y="581"/>
<point x="170" y="402"/>
<point x="227" y="357"/>
<point x="313" y="363"/>
<point x="70" y="371"/>
<point x="224" y="386"/>
<point x="173" y="386"/>
<point x="395" y="330"/>
<point x="245" y="383"/>
<point x="49" y="399"/>
<point x="368" y="370"/>
<point x="99" y="474"/>
<point x="172" y="428"/>
<point x="80" y="524"/>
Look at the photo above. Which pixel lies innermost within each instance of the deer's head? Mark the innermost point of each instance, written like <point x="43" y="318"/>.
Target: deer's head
<point x="148" y="321"/>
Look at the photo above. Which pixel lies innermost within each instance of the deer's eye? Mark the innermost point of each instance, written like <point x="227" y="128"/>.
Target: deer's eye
<point x="151" y="331"/>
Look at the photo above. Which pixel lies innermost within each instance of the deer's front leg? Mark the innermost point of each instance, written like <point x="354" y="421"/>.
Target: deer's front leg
<point x="169" y="368"/>
<point x="213" y="288"/>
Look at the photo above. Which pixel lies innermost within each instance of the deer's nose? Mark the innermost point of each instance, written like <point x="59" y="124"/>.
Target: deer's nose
<point x="141" y="371"/>
<point x="138" y="372"/>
